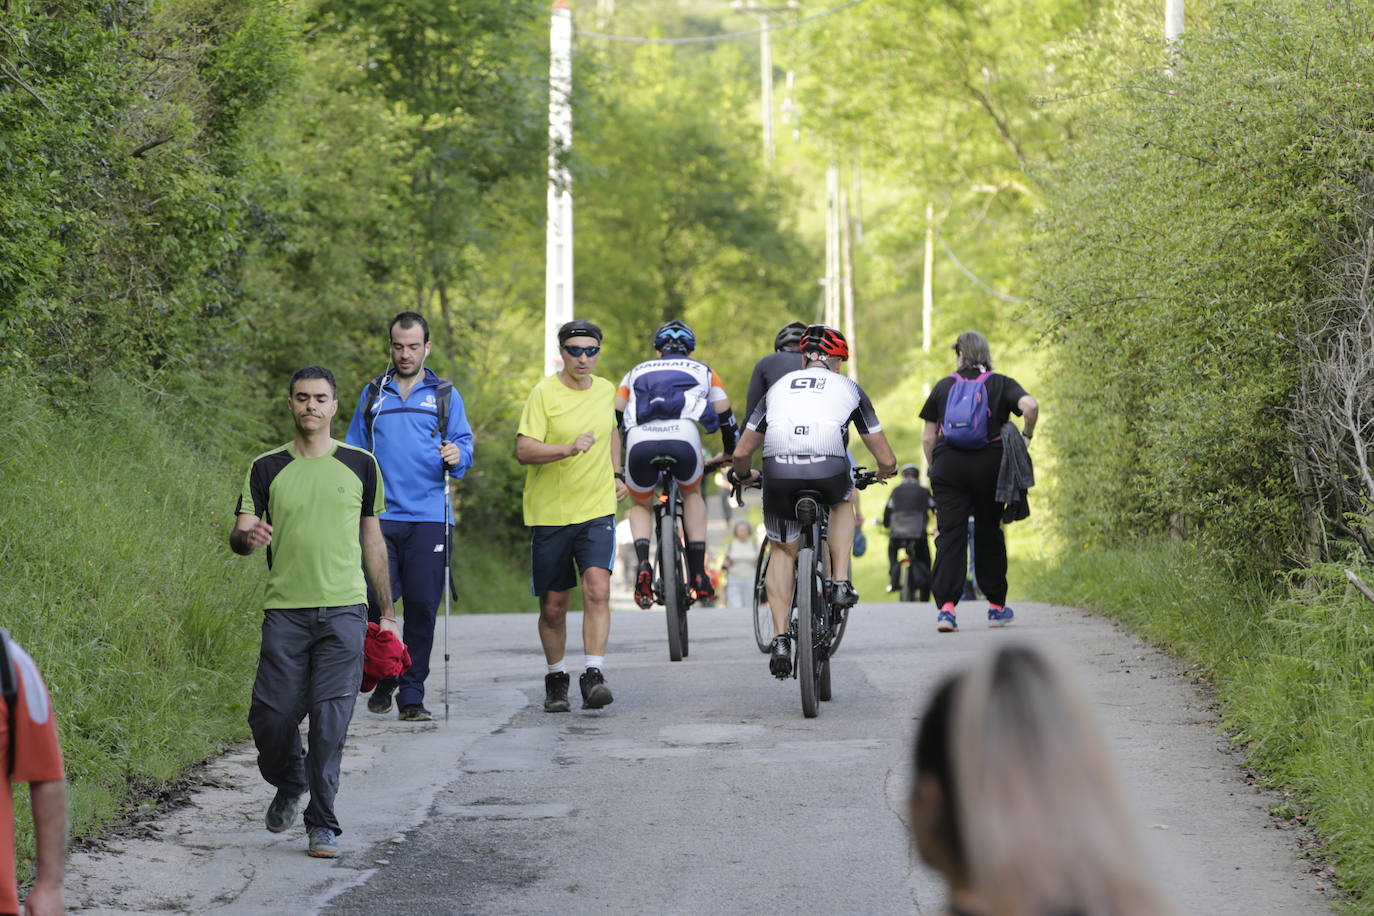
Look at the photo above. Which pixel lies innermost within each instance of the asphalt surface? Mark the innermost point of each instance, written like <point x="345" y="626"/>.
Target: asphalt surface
<point x="700" y="789"/>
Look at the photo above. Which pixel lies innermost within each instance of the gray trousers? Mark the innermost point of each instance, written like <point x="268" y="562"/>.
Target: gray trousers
<point x="311" y="663"/>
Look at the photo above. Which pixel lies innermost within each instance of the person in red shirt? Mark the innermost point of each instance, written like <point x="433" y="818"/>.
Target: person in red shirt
<point x="30" y="753"/>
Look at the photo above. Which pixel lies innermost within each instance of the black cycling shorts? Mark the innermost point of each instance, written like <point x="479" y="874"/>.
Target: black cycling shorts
<point x="784" y="478"/>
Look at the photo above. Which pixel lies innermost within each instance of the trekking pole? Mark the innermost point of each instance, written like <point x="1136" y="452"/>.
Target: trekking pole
<point x="448" y="578"/>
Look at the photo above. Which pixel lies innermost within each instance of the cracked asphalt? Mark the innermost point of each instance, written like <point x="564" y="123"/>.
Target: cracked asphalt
<point x="700" y="789"/>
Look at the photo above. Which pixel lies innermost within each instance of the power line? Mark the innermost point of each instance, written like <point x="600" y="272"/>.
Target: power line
<point x="1005" y="297"/>
<point x="700" y="39"/>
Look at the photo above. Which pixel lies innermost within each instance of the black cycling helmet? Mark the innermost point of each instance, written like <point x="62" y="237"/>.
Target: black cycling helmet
<point x="675" y="337"/>
<point x="789" y="338"/>
<point x="910" y="470"/>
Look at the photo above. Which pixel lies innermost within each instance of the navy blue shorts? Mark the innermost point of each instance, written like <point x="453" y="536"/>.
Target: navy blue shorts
<point x="559" y="552"/>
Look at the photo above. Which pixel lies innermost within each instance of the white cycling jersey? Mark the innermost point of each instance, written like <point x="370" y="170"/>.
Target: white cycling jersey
<point x="807" y="412"/>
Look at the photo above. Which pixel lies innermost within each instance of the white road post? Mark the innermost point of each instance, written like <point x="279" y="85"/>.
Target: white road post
<point x="832" y="245"/>
<point x="928" y="281"/>
<point x="558" y="256"/>
<point x="1173" y="20"/>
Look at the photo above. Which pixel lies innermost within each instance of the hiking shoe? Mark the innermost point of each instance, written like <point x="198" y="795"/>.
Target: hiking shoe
<point x="595" y="693"/>
<point x="945" y="622"/>
<point x="780" y="658"/>
<point x="380" y="701"/>
<point x="843" y="594"/>
<point x="702" y="589"/>
<point x="415" y="712"/>
<point x="1000" y="616"/>
<point x="281" y="814"/>
<point x="644" y="585"/>
<point x="556" y="692"/>
<point x="323" y="843"/>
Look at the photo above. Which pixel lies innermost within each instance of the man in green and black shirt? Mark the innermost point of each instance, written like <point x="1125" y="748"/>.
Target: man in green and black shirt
<point x="313" y="503"/>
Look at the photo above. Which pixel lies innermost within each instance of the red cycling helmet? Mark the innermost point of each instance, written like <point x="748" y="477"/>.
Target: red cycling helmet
<point x="825" y="340"/>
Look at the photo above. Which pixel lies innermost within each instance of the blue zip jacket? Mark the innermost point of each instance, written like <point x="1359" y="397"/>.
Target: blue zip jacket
<point x="406" y="443"/>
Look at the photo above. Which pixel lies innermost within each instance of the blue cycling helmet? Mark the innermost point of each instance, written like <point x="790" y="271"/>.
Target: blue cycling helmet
<point x="675" y="337"/>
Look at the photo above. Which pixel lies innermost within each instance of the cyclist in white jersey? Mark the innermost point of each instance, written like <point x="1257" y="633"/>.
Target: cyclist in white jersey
<point x="802" y="421"/>
<point x="659" y="404"/>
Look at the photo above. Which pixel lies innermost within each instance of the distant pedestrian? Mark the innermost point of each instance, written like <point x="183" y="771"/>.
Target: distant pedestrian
<point x="414" y="423"/>
<point x="905" y="517"/>
<point x="573" y="478"/>
<point x="1015" y="801"/>
<point x="740" y="563"/>
<point x="966" y="417"/>
<point x="30" y="753"/>
<point x="313" y="503"/>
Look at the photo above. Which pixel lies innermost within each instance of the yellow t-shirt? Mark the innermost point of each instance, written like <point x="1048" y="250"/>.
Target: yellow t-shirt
<point x="580" y="488"/>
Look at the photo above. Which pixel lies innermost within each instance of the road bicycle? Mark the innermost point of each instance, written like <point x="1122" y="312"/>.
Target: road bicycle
<point x="671" y="588"/>
<point x="763" y="618"/>
<point x="915" y="582"/>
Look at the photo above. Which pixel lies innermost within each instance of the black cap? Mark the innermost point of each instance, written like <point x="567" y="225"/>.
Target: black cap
<point x="578" y="329"/>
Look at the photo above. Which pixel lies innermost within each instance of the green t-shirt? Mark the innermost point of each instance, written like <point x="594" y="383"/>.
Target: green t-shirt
<point x="315" y="506"/>
<point x="582" y="487"/>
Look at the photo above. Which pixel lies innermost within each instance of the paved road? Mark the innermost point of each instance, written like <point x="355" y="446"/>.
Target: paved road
<point x="701" y="789"/>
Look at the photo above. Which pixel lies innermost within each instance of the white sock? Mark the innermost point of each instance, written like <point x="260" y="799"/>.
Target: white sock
<point x="558" y="667"/>
<point x="596" y="661"/>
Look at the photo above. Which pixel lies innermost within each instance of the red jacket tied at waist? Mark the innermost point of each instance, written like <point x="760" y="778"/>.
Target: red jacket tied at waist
<point x="384" y="655"/>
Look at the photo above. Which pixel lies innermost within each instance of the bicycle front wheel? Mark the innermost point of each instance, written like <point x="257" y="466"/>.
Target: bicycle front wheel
<point x="908" y="581"/>
<point x="763" y="618"/>
<point x="806" y="630"/>
<point x="674" y="590"/>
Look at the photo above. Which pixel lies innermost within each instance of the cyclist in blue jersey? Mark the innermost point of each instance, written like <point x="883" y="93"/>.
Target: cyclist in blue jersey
<point x="659" y="404"/>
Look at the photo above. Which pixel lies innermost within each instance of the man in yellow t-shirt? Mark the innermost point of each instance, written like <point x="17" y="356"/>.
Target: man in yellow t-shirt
<point x="573" y="479"/>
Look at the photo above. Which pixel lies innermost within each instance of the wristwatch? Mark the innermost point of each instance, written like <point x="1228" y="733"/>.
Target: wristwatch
<point x="620" y="476"/>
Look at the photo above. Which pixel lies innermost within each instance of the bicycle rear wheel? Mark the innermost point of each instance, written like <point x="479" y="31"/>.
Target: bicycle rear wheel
<point x="674" y="592"/>
<point x="908" y="581"/>
<point x="763" y="618"/>
<point x="806" y="630"/>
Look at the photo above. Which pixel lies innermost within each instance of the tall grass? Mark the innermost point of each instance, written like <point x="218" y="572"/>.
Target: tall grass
<point x="118" y="582"/>
<point x="1295" y="674"/>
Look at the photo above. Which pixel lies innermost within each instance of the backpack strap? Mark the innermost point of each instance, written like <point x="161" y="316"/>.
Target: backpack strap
<point x="371" y="393"/>
<point x="9" y="686"/>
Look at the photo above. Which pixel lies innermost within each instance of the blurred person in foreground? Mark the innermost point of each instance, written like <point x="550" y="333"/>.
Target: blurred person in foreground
<point x="1016" y="802"/>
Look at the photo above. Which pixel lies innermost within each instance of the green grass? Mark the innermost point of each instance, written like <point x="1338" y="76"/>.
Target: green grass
<point x="119" y="583"/>
<point x="492" y="579"/>
<point x="1295" y="674"/>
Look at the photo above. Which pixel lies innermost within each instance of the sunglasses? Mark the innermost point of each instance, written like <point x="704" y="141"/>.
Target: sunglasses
<point x="583" y="351"/>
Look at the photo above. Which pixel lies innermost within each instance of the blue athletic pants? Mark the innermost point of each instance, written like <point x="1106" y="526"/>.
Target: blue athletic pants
<point x="416" y="554"/>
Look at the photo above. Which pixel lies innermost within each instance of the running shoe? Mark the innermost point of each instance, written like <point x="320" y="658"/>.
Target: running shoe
<point x="780" y="658"/>
<point x="702" y="589"/>
<point x="595" y="693"/>
<point x="945" y="622"/>
<point x="281" y="814"/>
<point x="323" y="843"/>
<point x="644" y="585"/>
<point x="999" y="616"/>
<point x="415" y="712"/>
<point x="380" y="701"/>
<point x="556" y="692"/>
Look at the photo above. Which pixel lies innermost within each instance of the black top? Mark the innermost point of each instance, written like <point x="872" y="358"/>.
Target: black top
<point x="767" y="371"/>
<point x="905" y="513"/>
<point x="1003" y="393"/>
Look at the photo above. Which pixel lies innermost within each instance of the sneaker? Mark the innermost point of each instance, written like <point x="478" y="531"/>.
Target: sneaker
<point x="702" y="589"/>
<point x="999" y="616"/>
<point x="281" y="814"/>
<point x="595" y="693"/>
<point x="644" y="585"/>
<point x="780" y="658"/>
<point x="323" y="843"/>
<point x="415" y="712"/>
<point x="556" y="692"/>
<point x="843" y="595"/>
<point x="945" y="622"/>
<point x="380" y="701"/>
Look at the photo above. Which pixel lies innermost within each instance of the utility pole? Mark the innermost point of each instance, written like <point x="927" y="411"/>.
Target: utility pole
<point x="765" y="64"/>
<point x="558" y="245"/>
<point x="832" y="245"/>
<point x="928" y="283"/>
<point x="1173" y="20"/>
<point x="847" y="258"/>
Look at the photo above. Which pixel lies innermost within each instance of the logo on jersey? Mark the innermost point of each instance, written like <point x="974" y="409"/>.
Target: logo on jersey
<point x="809" y="382"/>
<point x="429" y="401"/>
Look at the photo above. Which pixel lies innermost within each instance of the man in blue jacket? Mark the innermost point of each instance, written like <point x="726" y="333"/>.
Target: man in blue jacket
<point x="399" y="419"/>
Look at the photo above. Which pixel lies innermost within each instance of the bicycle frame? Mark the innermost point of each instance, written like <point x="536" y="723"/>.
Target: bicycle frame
<point x="670" y="587"/>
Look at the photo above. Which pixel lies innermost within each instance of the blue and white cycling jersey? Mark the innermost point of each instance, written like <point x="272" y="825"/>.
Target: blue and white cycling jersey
<point x="671" y="388"/>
